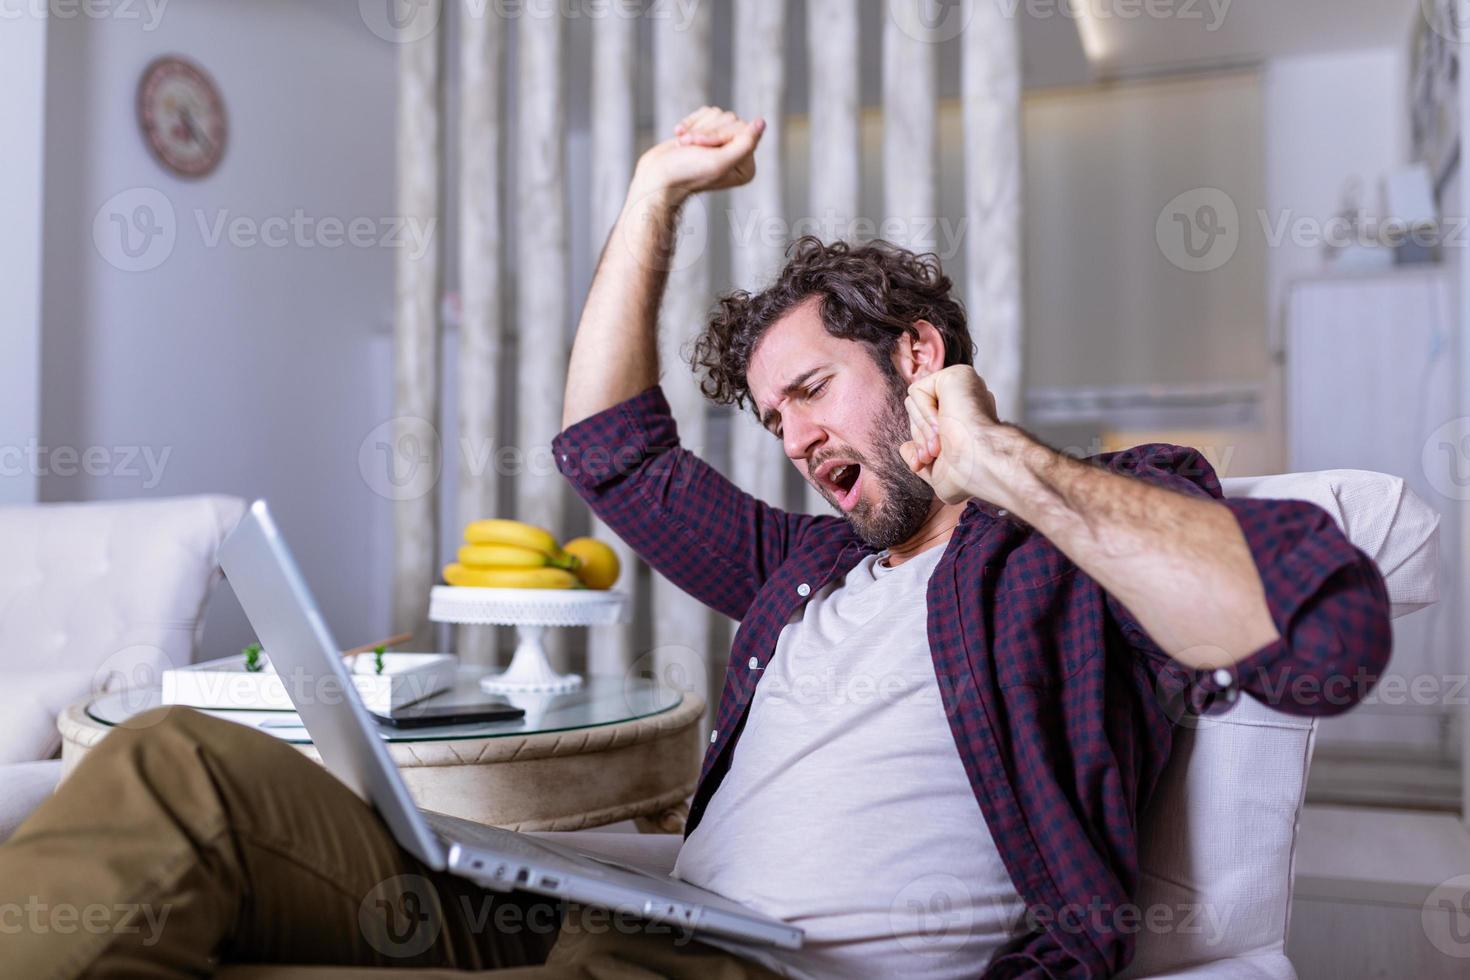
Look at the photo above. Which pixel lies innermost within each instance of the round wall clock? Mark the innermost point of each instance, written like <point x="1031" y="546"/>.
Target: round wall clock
<point x="182" y="116"/>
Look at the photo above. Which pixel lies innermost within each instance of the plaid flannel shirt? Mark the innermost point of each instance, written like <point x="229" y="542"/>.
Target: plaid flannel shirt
<point x="1061" y="706"/>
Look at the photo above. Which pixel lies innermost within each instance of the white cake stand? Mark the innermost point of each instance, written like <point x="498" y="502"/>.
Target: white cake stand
<point x="530" y="611"/>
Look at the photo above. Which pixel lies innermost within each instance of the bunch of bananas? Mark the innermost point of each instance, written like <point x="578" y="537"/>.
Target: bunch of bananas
<point x="506" y="554"/>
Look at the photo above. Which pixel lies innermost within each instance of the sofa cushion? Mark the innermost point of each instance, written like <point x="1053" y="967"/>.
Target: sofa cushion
<point x="1218" y="841"/>
<point x="23" y="785"/>
<point x="98" y="596"/>
<point x="1379" y="514"/>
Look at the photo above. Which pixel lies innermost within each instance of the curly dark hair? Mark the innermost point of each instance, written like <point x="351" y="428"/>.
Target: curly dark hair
<point x="870" y="293"/>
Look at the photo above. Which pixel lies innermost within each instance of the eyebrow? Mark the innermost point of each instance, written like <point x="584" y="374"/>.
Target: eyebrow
<point x="796" y="384"/>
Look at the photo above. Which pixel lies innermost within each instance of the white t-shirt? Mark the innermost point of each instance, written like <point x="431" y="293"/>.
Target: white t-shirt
<point x="846" y="810"/>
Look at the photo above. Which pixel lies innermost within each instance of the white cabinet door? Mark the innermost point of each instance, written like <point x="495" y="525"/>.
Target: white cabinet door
<point x="1370" y="375"/>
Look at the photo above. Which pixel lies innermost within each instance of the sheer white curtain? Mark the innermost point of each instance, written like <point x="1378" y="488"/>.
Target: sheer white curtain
<point x="522" y="84"/>
<point x="481" y="42"/>
<point x="614" y="129"/>
<point x="413" y="433"/>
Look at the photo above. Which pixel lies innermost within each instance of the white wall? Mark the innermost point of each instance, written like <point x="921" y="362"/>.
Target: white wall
<point x="22" y="106"/>
<point x="1328" y="118"/>
<point x="1110" y="299"/>
<point x="234" y="367"/>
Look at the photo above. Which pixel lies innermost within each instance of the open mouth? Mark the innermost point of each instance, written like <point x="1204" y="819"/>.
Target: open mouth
<point x="844" y="480"/>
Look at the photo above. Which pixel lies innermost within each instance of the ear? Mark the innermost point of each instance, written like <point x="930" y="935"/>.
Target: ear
<point x="919" y="354"/>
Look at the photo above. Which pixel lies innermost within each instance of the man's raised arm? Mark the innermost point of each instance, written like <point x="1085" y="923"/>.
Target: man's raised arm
<point x="615" y="354"/>
<point x="702" y="532"/>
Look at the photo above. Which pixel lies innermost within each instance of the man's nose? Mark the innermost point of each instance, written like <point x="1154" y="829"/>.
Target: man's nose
<point x="801" y="435"/>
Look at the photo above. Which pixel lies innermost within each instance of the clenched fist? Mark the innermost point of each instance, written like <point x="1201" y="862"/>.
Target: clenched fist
<point x="711" y="149"/>
<point x="954" y="434"/>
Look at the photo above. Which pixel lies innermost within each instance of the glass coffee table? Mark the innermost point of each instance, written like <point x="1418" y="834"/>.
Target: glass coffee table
<point x="617" y="748"/>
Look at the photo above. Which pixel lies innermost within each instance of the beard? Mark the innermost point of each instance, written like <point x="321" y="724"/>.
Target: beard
<point x="903" y="498"/>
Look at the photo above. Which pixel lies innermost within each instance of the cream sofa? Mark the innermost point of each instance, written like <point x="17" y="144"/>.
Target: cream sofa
<point x="94" y="596"/>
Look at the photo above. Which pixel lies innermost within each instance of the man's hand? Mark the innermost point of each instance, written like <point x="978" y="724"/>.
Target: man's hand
<point x="615" y="353"/>
<point x="711" y="149"/>
<point x="954" y="437"/>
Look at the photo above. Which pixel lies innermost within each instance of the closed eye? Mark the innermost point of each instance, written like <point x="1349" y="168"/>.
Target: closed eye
<point x="809" y="394"/>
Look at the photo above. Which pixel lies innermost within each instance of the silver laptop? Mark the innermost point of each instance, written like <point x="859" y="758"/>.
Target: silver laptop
<point x="289" y="625"/>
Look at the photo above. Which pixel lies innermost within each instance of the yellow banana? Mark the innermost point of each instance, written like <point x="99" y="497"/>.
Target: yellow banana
<point x="512" y="556"/>
<point x="499" y="530"/>
<point x="510" y="578"/>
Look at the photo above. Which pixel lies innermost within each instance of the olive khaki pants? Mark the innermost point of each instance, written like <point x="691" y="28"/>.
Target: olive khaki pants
<point x="182" y="842"/>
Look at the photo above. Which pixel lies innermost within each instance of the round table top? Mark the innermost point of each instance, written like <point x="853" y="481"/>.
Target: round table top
<point x="601" y="700"/>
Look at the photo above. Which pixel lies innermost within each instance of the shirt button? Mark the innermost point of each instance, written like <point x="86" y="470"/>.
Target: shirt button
<point x="1223" y="678"/>
<point x="803" y="590"/>
<point x="563" y="457"/>
<point x="713" y="737"/>
<point x="1002" y="512"/>
<point x="754" y="663"/>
